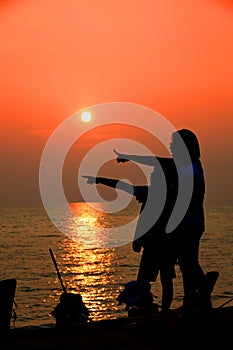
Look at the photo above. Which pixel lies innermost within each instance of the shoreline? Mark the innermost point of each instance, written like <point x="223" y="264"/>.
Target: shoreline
<point x="214" y="333"/>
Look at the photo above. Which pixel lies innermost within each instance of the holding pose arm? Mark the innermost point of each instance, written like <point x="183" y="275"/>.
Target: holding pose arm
<point x="140" y="193"/>
<point x="121" y="185"/>
<point x="146" y="160"/>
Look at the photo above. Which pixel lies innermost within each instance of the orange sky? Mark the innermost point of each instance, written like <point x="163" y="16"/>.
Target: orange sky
<point x="59" y="56"/>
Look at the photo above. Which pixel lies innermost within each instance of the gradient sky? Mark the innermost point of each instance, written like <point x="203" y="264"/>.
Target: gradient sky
<point x="60" y="56"/>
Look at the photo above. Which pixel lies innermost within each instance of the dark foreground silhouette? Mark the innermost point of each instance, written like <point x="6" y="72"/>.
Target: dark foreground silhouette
<point x="120" y="334"/>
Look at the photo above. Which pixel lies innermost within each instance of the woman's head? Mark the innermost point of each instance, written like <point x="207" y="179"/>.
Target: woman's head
<point x="190" y="140"/>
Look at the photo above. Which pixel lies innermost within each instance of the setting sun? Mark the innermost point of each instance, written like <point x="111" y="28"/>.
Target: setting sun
<point x="86" y="117"/>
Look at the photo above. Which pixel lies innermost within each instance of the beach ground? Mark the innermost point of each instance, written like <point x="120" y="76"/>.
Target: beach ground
<point x="215" y="333"/>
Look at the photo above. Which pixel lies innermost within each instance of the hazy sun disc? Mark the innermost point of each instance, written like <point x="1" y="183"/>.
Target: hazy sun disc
<point x="86" y="117"/>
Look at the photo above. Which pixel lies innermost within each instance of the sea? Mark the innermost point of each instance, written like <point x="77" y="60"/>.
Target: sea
<point x="98" y="273"/>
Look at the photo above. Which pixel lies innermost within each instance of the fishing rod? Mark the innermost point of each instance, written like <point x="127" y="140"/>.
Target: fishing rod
<point x="85" y="312"/>
<point x="57" y="270"/>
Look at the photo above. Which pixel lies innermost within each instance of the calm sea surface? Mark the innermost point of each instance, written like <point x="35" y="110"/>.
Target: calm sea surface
<point x="98" y="274"/>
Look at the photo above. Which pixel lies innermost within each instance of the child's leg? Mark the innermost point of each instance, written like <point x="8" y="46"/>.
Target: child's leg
<point x="167" y="293"/>
<point x="147" y="272"/>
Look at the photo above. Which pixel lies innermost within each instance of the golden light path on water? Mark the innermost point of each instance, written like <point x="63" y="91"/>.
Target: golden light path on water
<point x="89" y="272"/>
<point x="93" y="272"/>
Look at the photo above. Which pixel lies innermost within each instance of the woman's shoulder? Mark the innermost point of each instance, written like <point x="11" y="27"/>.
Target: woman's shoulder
<point x="166" y="162"/>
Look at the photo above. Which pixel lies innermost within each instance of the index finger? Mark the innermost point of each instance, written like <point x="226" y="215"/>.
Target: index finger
<point x="117" y="153"/>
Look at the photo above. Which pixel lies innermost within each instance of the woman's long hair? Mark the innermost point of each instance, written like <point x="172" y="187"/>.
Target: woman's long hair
<point x="191" y="142"/>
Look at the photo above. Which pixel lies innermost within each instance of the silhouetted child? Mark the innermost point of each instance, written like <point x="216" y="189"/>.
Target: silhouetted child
<point x="158" y="254"/>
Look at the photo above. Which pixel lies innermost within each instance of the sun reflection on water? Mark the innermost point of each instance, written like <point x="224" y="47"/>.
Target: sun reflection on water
<point x="89" y="272"/>
<point x="96" y="228"/>
<point x="95" y="273"/>
<point x="89" y="225"/>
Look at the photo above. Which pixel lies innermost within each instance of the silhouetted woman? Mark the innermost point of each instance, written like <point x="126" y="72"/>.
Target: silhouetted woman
<point x="186" y="236"/>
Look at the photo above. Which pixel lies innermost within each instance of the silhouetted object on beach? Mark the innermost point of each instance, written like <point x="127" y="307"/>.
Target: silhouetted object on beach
<point x="130" y="295"/>
<point x="7" y="294"/>
<point x="71" y="310"/>
<point x="203" y="298"/>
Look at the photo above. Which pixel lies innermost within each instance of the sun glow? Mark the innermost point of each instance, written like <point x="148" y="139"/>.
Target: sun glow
<point x="86" y="117"/>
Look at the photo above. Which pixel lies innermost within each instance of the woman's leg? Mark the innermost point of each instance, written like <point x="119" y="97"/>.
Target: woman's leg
<point x="192" y="273"/>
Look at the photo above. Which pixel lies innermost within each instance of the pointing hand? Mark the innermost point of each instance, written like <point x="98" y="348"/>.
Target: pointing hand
<point x="90" y="179"/>
<point x="120" y="157"/>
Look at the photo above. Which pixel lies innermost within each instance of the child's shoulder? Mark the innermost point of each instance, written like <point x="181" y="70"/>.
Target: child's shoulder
<point x="140" y="193"/>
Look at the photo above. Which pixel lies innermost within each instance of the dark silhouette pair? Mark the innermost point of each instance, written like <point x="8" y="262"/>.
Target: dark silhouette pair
<point x="161" y="250"/>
